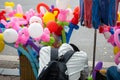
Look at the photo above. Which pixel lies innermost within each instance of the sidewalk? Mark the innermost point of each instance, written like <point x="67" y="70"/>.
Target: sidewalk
<point x="9" y="67"/>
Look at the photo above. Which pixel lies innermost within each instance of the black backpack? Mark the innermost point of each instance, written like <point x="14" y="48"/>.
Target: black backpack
<point x="56" y="69"/>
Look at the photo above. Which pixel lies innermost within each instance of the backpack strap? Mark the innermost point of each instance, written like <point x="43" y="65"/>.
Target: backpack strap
<point x="54" y="53"/>
<point x="67" y="55"/>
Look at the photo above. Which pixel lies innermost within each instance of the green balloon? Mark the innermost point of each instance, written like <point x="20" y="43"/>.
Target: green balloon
<point x="90" y="78"/>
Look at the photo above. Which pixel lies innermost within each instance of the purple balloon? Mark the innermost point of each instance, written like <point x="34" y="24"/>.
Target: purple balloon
<point x="30" y="42"/>
<point x="97" y="68"/>
<point x="0" y="30"/>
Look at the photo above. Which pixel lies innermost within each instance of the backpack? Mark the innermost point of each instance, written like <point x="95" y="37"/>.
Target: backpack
<point x="56" y="69"/>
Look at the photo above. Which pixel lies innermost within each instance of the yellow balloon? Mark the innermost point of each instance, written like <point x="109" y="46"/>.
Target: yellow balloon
<point x="2" y="45"/>
<point x="1" y="37"/>
<point x="9" y="4"/>
<point x="118" y="16"/>
<point x="48" y="16"/>
<point x="19" y="15"/>
<point x="116" y="50"/>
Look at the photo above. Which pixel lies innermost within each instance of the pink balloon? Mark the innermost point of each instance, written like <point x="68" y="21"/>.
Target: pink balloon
<point x="117" y="58"/>
<point x="117" y="37"/>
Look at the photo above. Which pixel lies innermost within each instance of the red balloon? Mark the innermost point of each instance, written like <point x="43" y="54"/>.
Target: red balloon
<point x="44" y="5"/>
<point x="58" y="11"/>
<point x="52" y="26"/>
<point x="101" y="29"/>
<point x="59" y="31"/>
<point x="76" y="17"/>
<point x="2" y="15"/>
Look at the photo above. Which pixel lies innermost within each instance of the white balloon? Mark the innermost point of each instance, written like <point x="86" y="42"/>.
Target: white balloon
<point x="62" y="4"/>
<point x="8" y="9"/>
<point x="70" y="14"/>
<point x="35" y="30"/>
<point x="35" y="19"/>
<point x="107" y="35"/>
<point x="10" y="35"/>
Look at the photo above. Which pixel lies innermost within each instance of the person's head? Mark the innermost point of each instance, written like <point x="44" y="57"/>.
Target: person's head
<point x="74" y="47"/>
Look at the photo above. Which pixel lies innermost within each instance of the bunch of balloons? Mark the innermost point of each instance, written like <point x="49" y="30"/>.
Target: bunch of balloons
<point x="112" y="35"/>
<point x="44" y="26"/>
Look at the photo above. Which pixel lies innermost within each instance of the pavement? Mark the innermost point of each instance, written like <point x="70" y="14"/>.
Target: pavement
<point x="83" y="38"/>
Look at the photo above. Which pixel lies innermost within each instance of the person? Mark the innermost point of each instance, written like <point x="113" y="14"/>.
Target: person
<point x="113" y="72"/>
<point x="77" y="64"/>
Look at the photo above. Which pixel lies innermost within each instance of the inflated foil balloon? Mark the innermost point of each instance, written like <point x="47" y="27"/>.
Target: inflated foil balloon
<point x="62" y="4"/>
<point x="10" y="35"/>
<point x="35" y="30"/>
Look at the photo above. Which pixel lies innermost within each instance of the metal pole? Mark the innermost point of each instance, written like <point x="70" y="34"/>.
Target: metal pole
<point x="94" y="48"/>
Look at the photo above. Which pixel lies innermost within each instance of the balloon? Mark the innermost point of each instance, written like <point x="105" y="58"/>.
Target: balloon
<point x="19" y="9"/>
<point x="56" y="11"/>
<point x="48" y="16"/>
<point x="0" y="30"/>
<point x="10" y="35"/>
<point x="90" y="78"/>
<point x="62" y="16"/>
<point x="71" y="26"/>
<point x="52" y="26"/>
<point x="118" y="16"/>
<point x="35" y="30"/>
<point x="50" y="43"/>
<point x="23" y="37"/>
<point x="59" y="31"/>
<point x="1" y="37"/>
<point x="70" y="14"/>
<point x="117" y="58"/>
<point x="42" y="5"/>
<point x="35" y="19"/>
<point x="31" y="43"/>
<point x="46" y="35"/>
<point x="107" y="35"/>
<point x="9" y="6"/>
<point x="63" y="31"/>
<point x="97" y="68"/>
<point x="2" y="15"/>
<point x="116" y="50"/>
<point x="8" y="9"/>
<point x="62" y="4"/>
<point x="116" y="37"/>
<point x="18" y="15"/>
<point x="2" y="45"/>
